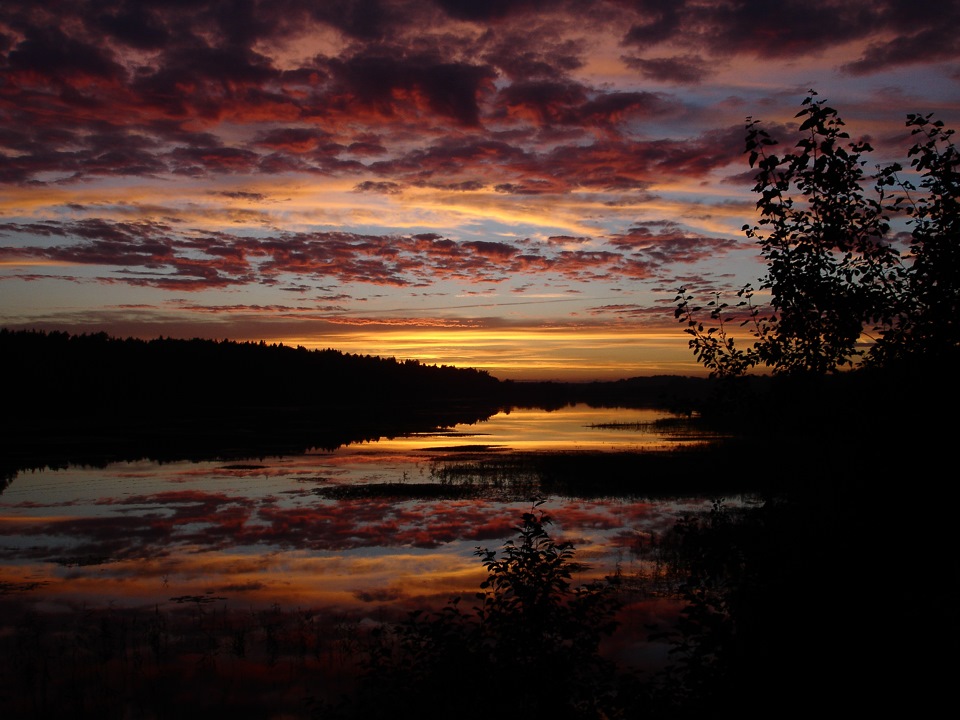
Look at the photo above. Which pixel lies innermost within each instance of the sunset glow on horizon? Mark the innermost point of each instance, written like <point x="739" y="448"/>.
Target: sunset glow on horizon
<point x="515" y="187"/>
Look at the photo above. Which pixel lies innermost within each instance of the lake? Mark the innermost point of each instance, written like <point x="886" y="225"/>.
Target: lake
<point x="355" y="536"/>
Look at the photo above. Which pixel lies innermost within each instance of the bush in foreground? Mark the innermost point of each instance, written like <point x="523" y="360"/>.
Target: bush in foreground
<point x="530" y="645"/>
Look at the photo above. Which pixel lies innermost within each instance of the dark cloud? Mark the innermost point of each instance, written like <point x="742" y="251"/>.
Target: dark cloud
<point x="465" y="186"/>
<point x="205" y="81"/>
<point x="544" y="101"/>
<point x="569" y="103"/>
<point x="453" y="163"/>
<point x="489" y="9"/>
<point x="365" y="147"/>
<point x="291" y="139"/>
<point x="535" y="187"/>
<point x="144" y="89"/>
<point x="200" y="161"/>
<point x="796" y="28"/>
<point x="657" y="21"/>
<point x="384" y="188"/>
<point x="632" y="311"/>
<point x="359" y="19"/>
<point x="682" y="70"/>
<point x="608" y="165"/>
<point x="48" y="51"/>
<point x="789" y="28"/>
<point x="135" y="25"/>
<point x="928" y="45"/>
<point x="393" y="84"/>
<point x="625" y="166"/>
<point x="667" y="242"/>
<point x="241" y="195"/>
<point x="494" y="250"/>
<point x="514" y="58"/>
<point x="613" y="107"/>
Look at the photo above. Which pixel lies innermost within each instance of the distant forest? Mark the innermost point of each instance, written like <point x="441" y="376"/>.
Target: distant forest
<point x="103" y="370"/>
<point x="79" y="397"/>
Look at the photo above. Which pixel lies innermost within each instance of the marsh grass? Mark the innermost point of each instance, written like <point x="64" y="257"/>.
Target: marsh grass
<point x="677" y="427"/>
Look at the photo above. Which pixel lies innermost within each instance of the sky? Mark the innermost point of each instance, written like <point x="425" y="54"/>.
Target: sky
<point x="516" y="186"/>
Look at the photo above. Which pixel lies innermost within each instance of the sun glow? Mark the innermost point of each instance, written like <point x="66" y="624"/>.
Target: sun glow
<point x="525" y="354"/>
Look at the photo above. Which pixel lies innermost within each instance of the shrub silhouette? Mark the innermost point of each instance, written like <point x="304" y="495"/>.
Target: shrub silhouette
<point x="530" y="645"/>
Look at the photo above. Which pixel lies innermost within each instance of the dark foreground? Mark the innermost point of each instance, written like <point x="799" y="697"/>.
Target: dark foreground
<point x="832" y="593"/>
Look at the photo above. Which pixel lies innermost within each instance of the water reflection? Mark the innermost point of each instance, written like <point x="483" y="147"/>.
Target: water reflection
<point x="577" y="427"/>
<point x="283" y="532"/>
<point x="119" y="529"/>
<point x="286" y="547"/>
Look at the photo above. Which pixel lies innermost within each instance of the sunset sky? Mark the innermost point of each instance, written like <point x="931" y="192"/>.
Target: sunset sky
<point x="518" y="186"/>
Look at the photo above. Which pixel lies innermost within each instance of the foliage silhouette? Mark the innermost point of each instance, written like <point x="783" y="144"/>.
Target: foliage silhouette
<point x="925" y="322"/>
<point x="832" y="270"/>
<point x="530" y="646"/>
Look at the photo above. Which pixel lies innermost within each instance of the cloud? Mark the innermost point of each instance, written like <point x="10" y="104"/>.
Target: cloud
<point x="684" y="70"/>
<point x="658" y="22"/>
<point x="173" y="90"/>
<point x="796" y="28"/>
<point x="543" y="101"/>
<point x="291" y="139"/>
<point x="242" y="195"/>
<point x="384" y="188"/>
<point x="666" y="242"/>
<point x="150" y="114"/>
<point x="631" y="311"/>
<point x="927" y="45"/>
<point x="493" y="250"/>
<point x="45" y="50"/>
<point x="567" y="240"/>
<point x="160" y="256"/>
<point x="487" y="11"/>
<point x="550" y="59"/>
<point x="134" y="25"/>
<point x="392" y="84"/>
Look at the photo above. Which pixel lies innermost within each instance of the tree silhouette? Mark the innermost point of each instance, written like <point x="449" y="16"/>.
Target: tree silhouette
<point x="832" y="268"/>
<point x="925" y="321"/>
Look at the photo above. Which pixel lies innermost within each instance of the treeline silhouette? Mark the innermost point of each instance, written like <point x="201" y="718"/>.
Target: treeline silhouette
<point x="73" y="397"/>
<point x="94" y="398"/>
<point x="104" y="369"/>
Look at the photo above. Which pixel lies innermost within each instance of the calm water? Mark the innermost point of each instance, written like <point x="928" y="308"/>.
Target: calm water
<point x="274" y="532"/>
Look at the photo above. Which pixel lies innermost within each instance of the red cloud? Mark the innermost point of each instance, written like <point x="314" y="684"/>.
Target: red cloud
<point x="158" y="255"/>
